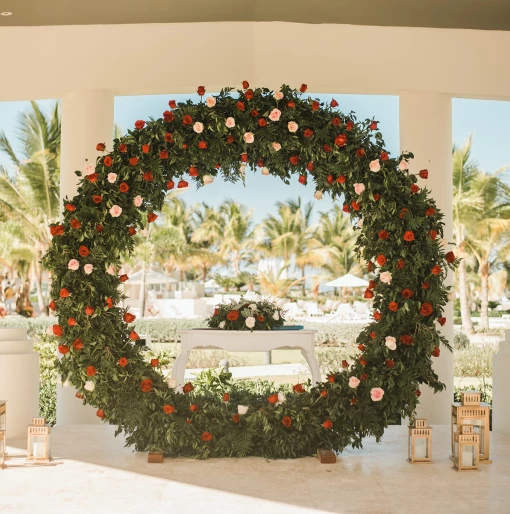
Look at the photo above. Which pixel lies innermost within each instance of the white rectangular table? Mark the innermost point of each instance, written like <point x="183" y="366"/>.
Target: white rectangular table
<point x="245" y="341"/>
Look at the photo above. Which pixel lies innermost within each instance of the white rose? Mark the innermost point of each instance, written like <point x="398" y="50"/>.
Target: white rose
<point x="208" y="179"/>
<point x="292" y="126"/>
<point x="375" y="165"/>
<point x="276" y="316"/>
<point x="277" y="147"/>
<point x="403" y="165"/>
<point x="385" y="277"/>
<point x="253" y="306"/>
<point x="172" y="383"/>
<point x="354" y="382"/>
<point x="360" y="223"/>
<point x="222" y="324"/>
<point x="88" y="268"/>
<point x="275" y="115"/>
<point x="230" y="122"/>
<point x="390" y="343"/>
<point x="281" y="398"/>
<point x="242" y="410"/>
<point x="265" y="171"/>
<point x="198" y="127"/>
<point x="249" y="137"/>
<point x="112" y="177"/>
<point x="210" y="101"/>
<point x="116" y="211"/>
<point x="138" y="200"/>
<point x="318" y="195"/>
<point x="73" y="264"/>
<point x="278" y="95"/>
<point x="89" y="169"/>
<point x="250" y="322"/>
<point x="89" y="385"/>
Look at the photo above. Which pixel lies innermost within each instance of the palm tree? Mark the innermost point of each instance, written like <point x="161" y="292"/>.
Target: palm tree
<point x="30" y="196"/>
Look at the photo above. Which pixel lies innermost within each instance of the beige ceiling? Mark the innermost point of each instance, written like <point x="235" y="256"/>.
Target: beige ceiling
<point x="468" y="14"/>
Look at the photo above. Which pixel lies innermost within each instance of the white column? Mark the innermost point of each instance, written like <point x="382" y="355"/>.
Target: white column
<point x="87" y="119"/>
<point x="501" y="387"/>
<point x="426" y="131"/>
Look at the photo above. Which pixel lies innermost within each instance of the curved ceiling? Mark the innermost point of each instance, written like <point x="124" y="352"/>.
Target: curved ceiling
<point x="460" y="14"/>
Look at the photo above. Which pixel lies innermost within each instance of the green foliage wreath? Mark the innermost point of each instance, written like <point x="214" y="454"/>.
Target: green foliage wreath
<point x="291" y="136"/>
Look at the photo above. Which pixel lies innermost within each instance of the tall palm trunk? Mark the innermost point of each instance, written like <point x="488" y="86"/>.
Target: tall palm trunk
<point x="303" y="285"/>
<point x="484" y="294"/>
<point x="465" y="310"/>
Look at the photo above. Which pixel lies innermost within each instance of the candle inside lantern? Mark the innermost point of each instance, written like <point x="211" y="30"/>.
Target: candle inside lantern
<point x="39" y="451"/>
<point x="420" y="448"/>
<point x="467" y="456"/>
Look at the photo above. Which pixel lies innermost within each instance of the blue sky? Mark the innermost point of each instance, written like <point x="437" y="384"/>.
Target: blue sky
<point x="486" y="121"/>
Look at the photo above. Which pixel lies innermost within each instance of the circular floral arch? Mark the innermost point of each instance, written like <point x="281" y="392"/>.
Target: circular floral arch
<point x="294" y="137"/>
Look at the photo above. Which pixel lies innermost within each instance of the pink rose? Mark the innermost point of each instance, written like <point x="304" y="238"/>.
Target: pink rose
<point x="230" y="122"/>
<point x="275" y="114"/>
<point x="359" y="188"/>
<point x="210" y="101"/>
<point x="385" y="277"/>
<point x="376" y="393"/>
<point x="111" y="270"/>
<point x="138" y="200"/>
<point x="277" y="147"/>
<point x="73" y="264"/>
<point x="89" y="169"/>
<point x="403" y="165"/>
<point x="249" y="137"/>
<point x="278" y="96"/>
<point x="354" y="382"/>
<point x="116" y="211"/>
<point x="375" y="165"/>
<point x="265" y="171"/>
<point x="112" y="177"/>
<point x="198" y="127"/>
<point x="318" y="195"/>
<point x="208" y="179"/>
<point x="88" y="268"/>
<point x="390" y="342"/>
<point x="292" y="126"/>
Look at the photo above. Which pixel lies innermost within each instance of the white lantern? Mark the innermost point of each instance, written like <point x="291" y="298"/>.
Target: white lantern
<point x="38" y="442"/>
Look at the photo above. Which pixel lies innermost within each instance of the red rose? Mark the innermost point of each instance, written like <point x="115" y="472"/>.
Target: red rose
<point x="107" y="161"/>
<point x="240" y="106"/>
<point x="128" y="317"/>
<point x="302" y="179"/>
<point x="360" y="152"/>
<point x="436" y="351"/>
<point x="409" y="236"/>
<point x="193" y="408"/>
<point x="372" y="335"/>
<point x="361" y="347"/>
<point x="246" y="84"/>
<point x="248" y="94"/>
<point x="406" y="293"/>
<point x="182" y="184"/>
<point x="168" y="409"/>
<point x="341" y="140"/>
<point x="441" y="321"/>
<point x="401" y="263"/>
<point x="133" y="161"/>
<point x="426" y="309"/>
<point x="71" y="322"/>
<point x="75" y="224"/>
<point x="92" y="178"/>
<point x="417" y="393"/>
<point x="336" y="121"/>
<point x="133" y="336"/>
<point x="430" y="211"/>
<point x="310" y="166"/>
<point x="170" y="184"/>
<point x="376" y="197"/>
<point x="324" y="393"/>
<point x="100" y="413"/>
<point x="187" y="120"/>
<point x="425" y="285"/>
<point x="377" y="315"/>
<point x="139" y="124"/>
<point x="372" y="284"/>
<point x="341" y="179"/>
<point x="233" y="315"/>
<point x="262" y="122"/>
<point x="363" y="377"/>
<point x="152" y="217"/>
<point x="63" y="349"/>
<point x="362" y="361"/>
<point x="349" y="125"/>
<point x="202" y="145"/>
<point x="383" y="234"/>
<point x="77" y="344"/>
<point x="146" y="385"/>
<point x="315" y="105"/>
<point x="354" y="401"/>
<point x="403" y="213"/>
<point x="169" y="137"/>
<point x="345" y="364"/>
<point x="260" y="163"/>
<point x="99" y="228"/>
<point x="436" y="270"/>
<point x="287" y="421"/>
<point x="201" y="90"/>
<point x="294" y="159"/>
<point x="346" y="208"/>
<point x="368" y="294"/>
<point x="407" y="339"/>
<point x="303" y="88"/>
<point x="123" y="362"/>
<point x="414" y="188"/>
<point x="373" y="125"/>
<point x="384" y="156"/>
<point x="168" y="117"/>
<point x="331" y="378"/>
<point x="393" y="306"/>
<point x="97" y="199"/>
<point x="100" y="147"/>
<point x="109" y="303"/>
<point x="273" y="399"/>
<point x="308" y="133"/>
<point x="291" y="104"/>
<point x="328" y="424"/>
<point x="172" y="104"/>
<point x="79" y="396"/>
<point x="56" y="230"/>
<point x="389" y="363"/>
<point x="91" y="371"/>
<point x="188" y="387"/>
<point x="122" y="148"/>
<point x="188" y="421"/>
<point x="244" y="157"/>
<point x="261" y="318"/>
<point x="450" y="257"/>
<point x="132" y="231"/>
<point x="64" y="293"/>
<point x="206" y="437"/>
<point x="424" y="174"/>
<point x="330" y="179"/>
<point x="83" y="251"/>
<point x="148" y="176"/>
<point x="226" y="397"/>
<point x="123" y="187"/>
<point x="52" y="305"/>
<point x="370" y="266"/>
<point x="123" y="278"/>
<point x="381" y="259"/>
<point x="236" y="418"/>
<point x="298" y="388"/>
<point x="333" y="103"/>
<point x="89" y="310"/>
<point x="355" y="205"/>
<point x="327" y="148"/>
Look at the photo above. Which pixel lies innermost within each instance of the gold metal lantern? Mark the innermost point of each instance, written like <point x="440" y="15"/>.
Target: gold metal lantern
<point x="38" y="442"/>
<point x="465" y="449"/>
<point x="420" y="442"/>
<point x="472" y="411"/>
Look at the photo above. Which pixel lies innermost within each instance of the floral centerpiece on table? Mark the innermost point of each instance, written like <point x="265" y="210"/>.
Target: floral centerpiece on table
<point x="246" y="315"/>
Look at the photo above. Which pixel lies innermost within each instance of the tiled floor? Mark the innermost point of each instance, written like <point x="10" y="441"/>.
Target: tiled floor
<point x="99" y="475"/>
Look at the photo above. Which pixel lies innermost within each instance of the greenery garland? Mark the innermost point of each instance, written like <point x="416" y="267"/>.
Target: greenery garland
<point x="285" y="134"/>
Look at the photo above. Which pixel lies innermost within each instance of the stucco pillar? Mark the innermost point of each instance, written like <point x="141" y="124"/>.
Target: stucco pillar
<point x="501" y="387"/>
<point x="87" y="119"/>
<point x="426" y="131"/>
